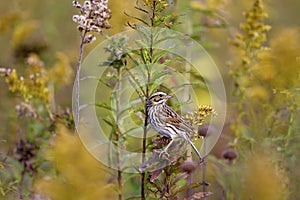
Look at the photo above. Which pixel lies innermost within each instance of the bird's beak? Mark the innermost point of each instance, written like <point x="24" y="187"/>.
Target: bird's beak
<point x="168" y="97"/>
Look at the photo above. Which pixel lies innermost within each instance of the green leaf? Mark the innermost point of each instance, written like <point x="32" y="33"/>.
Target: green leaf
<point x="136" y="84"/>
<point x="186" y="187"/>
<point x="124" y="110"/>
<point x="145" y="56"/>
<point x="144" y="30"/>
<point x="166" y="63"/>
<point x="157" y="83"/>
<point x="164" y="39"/>
<point x="139" y="19"/>
<point x="105" y="106"/>
<point x="136" y="62"/>
<point x="144" y="33"/>
<point x="141" y="9"/>
<point x="137" y="120"/>
<point x="109" y="121"/>
<point x="160" y="74"/>
<point x="159" y="55"/>
<point x="129" y="130"/>
<point x="157" y="33"/>
<point x="106" y="84"/>
<point x="141" y="45"/>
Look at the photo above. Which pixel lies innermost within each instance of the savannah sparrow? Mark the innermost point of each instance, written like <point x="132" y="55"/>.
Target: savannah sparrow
<point x="167" y="122"/>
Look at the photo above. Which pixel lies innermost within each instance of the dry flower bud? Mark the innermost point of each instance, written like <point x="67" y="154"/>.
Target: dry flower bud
<point x="80" y="28"/>
<point x="76" y="4"/>
<point x="230" y="154"/>
<point x="188" y="166"/>
<point x="25" y="110"/>
<point x="89" y="39"/>
<point x="202" y="130"/>
<point x="94" y="16"/>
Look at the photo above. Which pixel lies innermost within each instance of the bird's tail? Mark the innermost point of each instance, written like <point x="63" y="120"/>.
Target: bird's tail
<point x="195" y="149"/>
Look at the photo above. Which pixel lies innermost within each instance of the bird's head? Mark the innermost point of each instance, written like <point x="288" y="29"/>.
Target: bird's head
<point x="158" y="98"/>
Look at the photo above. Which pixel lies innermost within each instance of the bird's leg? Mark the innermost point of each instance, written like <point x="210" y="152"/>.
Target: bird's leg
<point x="165" y="149"/>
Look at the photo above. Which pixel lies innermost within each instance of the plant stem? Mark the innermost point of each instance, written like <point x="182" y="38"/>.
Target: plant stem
<point x="144" y="149"/>
<point x="204" y="170"/>
<point x="21" y="187"/>
<point x="168" y="181"/>
<point x="145" y="128"/>
<point x="118" y="86"/>
<point x="147" y="95"/>
<point x="186" y="94"/>
<point x="290" y="129"/>
<point x="77" y="81"/>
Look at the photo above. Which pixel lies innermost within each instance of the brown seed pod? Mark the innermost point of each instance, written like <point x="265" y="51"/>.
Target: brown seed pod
<point x="230" y="154"/>
<point x="189" y="166"/>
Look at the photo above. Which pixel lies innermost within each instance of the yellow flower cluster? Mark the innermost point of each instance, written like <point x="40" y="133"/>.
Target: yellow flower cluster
<point x="198" y="116"/>
<point x="250" y="41"/>
<point x="162" y="3"/>
<point x="157" y="7"/>
<point x="23" y="31"/>
<point x="253" y="30"/>
<point x="276" y="68"/>
<point x="61" y="73"/>
<point x="8" y="19"/>
<point x="33" y="86"/>
<point x="86" y="179"/>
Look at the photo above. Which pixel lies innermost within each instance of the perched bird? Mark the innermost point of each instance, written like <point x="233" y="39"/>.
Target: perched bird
<point x="167" y="122"/>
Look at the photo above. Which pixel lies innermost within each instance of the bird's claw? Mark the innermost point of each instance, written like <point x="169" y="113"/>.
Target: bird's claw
<point x="164" y="155"/>
<point x="201" y="160"/>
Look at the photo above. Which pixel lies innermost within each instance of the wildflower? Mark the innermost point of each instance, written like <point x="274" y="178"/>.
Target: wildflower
<point x="26" y="110"/>
<point x="93" y="17"/>
<point x="198" y="116"/>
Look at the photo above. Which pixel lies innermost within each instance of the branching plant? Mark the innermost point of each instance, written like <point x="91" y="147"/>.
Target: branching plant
<point x="38" y="143"/>
<point x="153" y="65"/>
<point x="94" y="16"/>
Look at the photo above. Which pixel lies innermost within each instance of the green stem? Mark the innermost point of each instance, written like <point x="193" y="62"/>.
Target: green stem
<point x="290" y="130"/>
<point x="21" y="186"/>
<point x="147" y="95"/>
<point x="118" y="106"/>
<point x="204" y="170"/>
<point x="77" y="81"/>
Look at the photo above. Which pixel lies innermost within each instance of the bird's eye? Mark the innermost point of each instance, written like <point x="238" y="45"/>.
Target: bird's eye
<point x="160" y="95"/>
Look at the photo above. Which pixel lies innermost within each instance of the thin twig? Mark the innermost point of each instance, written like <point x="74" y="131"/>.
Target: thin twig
<point x="186" y="94"/>
<point x="77" y="81"/>
<point x="118" y="86"/>
<point x="204" y="170"/>
<point x="21" y="186"/>
<point x="147" y="95"/>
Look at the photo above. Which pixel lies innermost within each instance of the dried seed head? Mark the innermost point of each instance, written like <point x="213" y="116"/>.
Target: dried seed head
<point x="25" y="152"/>
<point x="93" y="17"/>
<point x="25" y="110"/>
<point x="89" y="39"/>
<point x="189" y="166"/>
<point x="230" y="154"/>
<point x="202" y="130"/>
